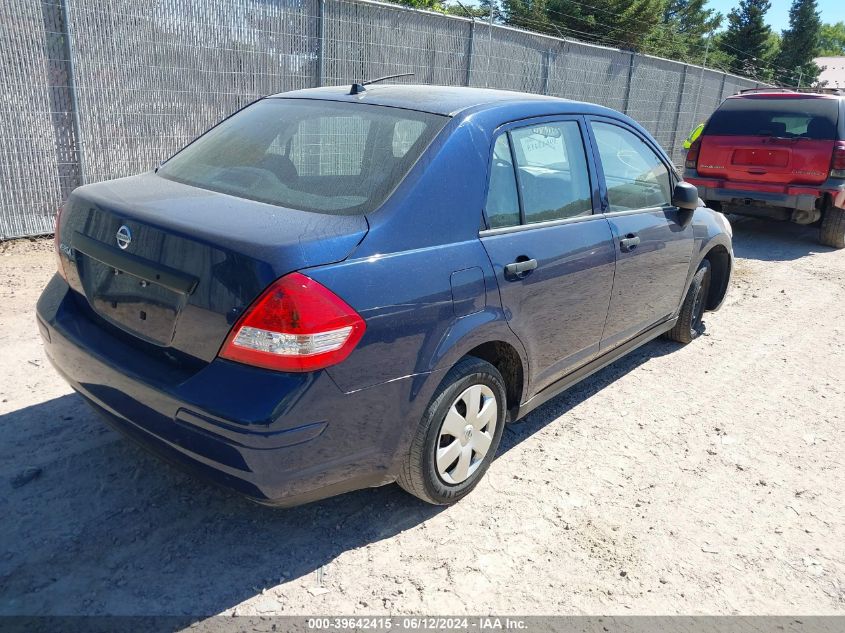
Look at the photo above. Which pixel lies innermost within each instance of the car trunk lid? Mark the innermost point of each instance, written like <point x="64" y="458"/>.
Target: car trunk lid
<point x="172" y="266"/>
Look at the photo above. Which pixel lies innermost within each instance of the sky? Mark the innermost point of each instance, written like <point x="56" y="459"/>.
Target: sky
<point x="778" y="15"/>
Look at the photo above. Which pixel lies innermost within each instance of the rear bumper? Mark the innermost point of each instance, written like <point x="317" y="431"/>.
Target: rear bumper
<point x="277" y="438"/>
<point x="801" y="197"/>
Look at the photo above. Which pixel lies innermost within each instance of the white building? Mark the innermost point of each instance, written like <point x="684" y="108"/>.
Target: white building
<point x="834" y="74"/>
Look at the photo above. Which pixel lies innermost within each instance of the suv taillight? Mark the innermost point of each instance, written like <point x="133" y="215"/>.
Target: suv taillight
<point x="57" y="242"/>
<point x="692" y="154"/>
<point x="297" y="324"/>
<point x="837" y="163"/>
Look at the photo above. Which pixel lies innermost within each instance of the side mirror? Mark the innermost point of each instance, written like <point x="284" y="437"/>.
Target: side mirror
<point x="685" y="196"/>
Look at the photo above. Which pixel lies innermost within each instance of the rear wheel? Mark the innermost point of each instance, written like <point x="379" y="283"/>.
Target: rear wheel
<point x="832" y="229"/>
<point x="458" y="436"/>
<point x="690" y="323"/>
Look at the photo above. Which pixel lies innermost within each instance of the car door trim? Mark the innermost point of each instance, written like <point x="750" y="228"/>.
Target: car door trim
<point x="538" y="225"/>
<point x="574" y="377"/>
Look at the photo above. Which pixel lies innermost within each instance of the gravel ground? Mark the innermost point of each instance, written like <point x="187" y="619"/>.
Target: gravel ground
<point x="698" y="479"/>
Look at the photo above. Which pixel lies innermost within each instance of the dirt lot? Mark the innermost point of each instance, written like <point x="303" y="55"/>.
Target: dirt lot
<point x="699" y="479"/>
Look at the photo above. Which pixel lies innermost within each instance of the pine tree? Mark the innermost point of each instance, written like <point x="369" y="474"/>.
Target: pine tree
<point x="526" y="14"/>
<point x="618" y="23"/>
<point x="684" y="29"/>
<point x="746" y="43"/>
<point x="691" y="20"/>
<point x="801" y="41"/>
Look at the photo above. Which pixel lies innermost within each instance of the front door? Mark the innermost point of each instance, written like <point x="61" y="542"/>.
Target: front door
<point x="554" y="259"/>
<point x="653" y="243"/>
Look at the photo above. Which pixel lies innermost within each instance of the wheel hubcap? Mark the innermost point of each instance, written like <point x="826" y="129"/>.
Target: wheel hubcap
<point x="466" y="434"/>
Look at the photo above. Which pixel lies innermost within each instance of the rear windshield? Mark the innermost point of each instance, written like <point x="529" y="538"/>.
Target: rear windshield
<point x="795" y="117"/>
<point x="337" y="158"/>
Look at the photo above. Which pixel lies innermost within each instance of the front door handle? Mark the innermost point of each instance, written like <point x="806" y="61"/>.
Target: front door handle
<point x="629" y="242"/>
<point x="520" y="267"/>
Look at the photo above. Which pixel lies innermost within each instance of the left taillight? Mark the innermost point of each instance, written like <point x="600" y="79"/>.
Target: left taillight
<point x="692" y="154"/>
<point x="57" y="243"/>
<point x="298" y="325"/>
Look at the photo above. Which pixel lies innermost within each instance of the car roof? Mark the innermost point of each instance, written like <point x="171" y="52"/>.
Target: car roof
<point x="444" y="100"/>
<point x="781" y="94"/>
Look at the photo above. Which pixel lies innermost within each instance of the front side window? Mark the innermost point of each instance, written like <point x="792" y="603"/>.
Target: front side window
<point x="322" y="156"/>
<point x="636" y="178"/>
<point x="553" y="174"/>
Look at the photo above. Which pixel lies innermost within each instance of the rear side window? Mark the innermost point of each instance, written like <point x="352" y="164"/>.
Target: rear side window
<point x="795" y="117"/>
<point x="635" y="176"/>
<point x="502" y="199"/>
<point x="336" y="158"/>
<point x="553" y="174"/>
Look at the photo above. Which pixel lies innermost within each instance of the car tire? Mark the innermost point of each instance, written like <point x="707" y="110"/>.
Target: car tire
<point x="452" y="448"/>
<point x="832" y="229"/>
<point x="690" y="325"/>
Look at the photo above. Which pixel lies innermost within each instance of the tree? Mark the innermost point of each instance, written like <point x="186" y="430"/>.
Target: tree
<point x="619" y="23"/>
<point x="801" y="41"/>
<point x="684" y="29"/>
<point x="746" y="43"/>
<point x="690" y="19"/>
<point x="526" y="14"/>
<point x="832" y="40"/>
<point x="480" y="11"/>
<point x="430" y="5"/>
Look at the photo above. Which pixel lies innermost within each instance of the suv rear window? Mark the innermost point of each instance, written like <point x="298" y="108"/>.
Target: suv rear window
<point x="323" y="156"/>
<point x="795" y="117"/>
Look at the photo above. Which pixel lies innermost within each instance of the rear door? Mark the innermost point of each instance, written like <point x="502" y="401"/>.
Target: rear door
<point x="554" y="259"/>
<point x="779" y="140"/>
<point x="653" y="246"/>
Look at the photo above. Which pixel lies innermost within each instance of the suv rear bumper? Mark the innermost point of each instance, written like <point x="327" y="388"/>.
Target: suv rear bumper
<point x="275" y="437"/>
<point x="801" y="197"/>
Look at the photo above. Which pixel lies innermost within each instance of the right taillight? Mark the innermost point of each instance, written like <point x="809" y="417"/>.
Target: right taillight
<point x="692" y="154"/>
<point x="57" y="243"/>
<point x="837" y="163"/>
<point x="297" y="324"/>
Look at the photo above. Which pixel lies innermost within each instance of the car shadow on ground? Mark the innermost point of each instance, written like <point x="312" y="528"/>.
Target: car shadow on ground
<point x="769" y="240"/>
<point x="103" y="526"/>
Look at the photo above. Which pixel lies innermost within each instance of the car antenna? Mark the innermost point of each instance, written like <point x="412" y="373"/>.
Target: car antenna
<point x="358" y="88"/>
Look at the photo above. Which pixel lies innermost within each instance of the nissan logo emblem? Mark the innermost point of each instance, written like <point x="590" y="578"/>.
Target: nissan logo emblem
<point x="124" y="237"/>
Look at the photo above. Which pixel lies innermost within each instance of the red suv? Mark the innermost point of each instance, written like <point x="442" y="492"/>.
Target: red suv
<point x="778" y="155"/>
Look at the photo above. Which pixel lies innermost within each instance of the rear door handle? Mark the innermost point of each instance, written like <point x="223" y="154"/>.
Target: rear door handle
<point x="520" y="267"/>
<point x="629" y="242"/>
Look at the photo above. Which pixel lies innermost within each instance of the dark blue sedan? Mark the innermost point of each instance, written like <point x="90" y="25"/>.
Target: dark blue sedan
<point x="338" y="288"/>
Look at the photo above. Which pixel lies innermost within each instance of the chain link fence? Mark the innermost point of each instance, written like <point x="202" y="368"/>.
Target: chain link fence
<point x="98" y="89"/>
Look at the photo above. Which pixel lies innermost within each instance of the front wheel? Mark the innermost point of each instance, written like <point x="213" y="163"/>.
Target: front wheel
<point x="832" y="229"/>
<point x="458" y="436"/>
<point x="690" y="323"/>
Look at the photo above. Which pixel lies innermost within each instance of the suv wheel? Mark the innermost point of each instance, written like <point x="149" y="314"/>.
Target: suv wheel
<point x="690" y="323"/>
<point x="832" y="229"/>
<point x="458" y="436"/>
